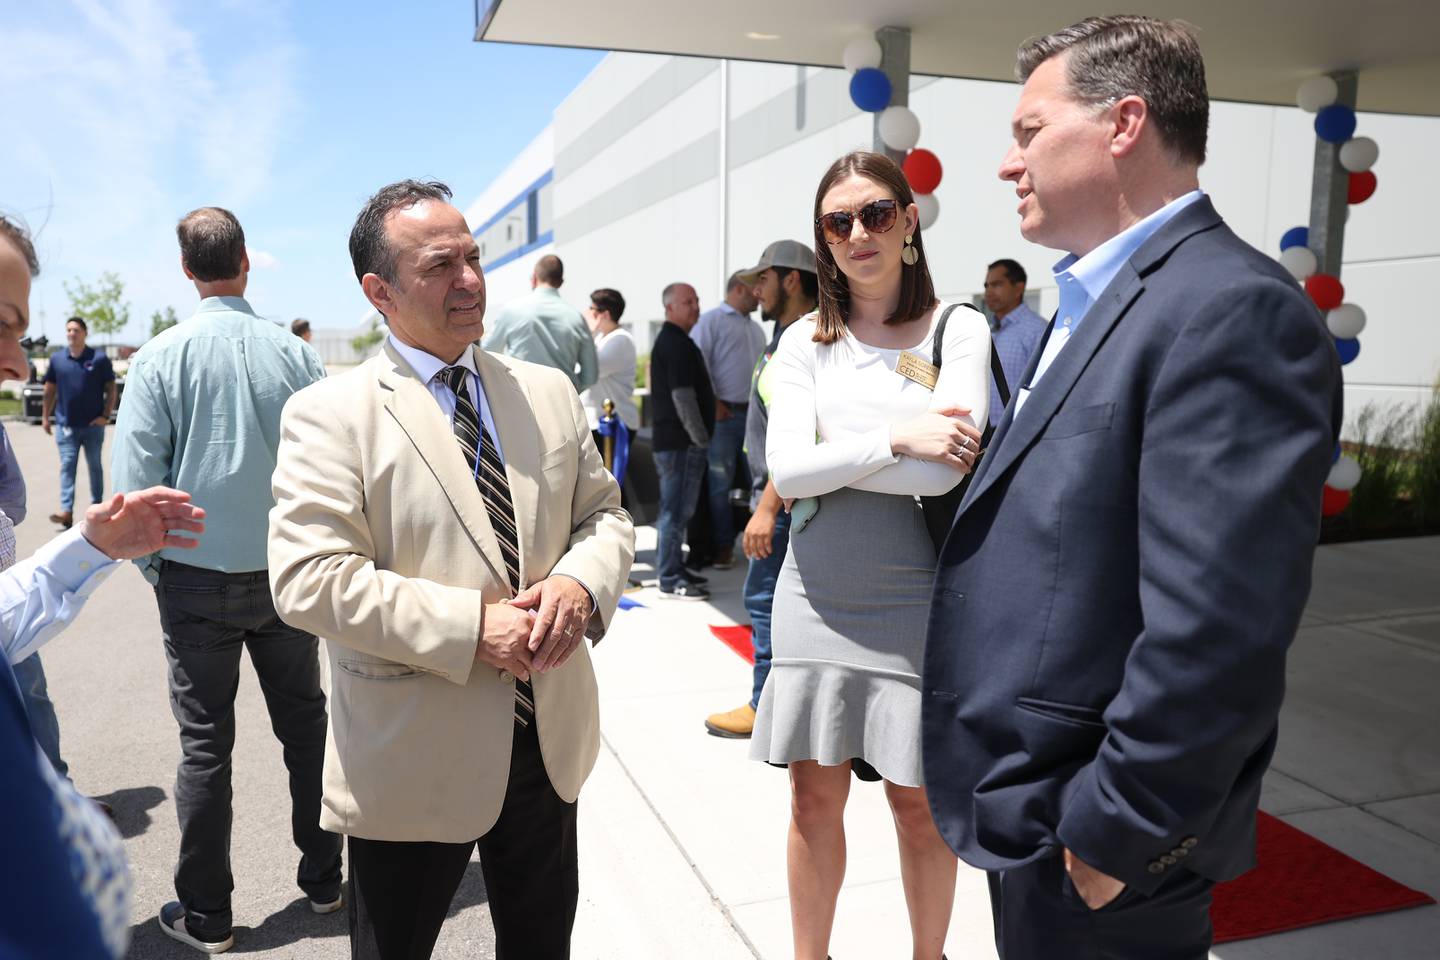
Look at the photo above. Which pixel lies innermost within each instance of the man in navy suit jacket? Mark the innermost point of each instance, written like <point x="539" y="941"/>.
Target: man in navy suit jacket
<point x="1106" y="657"/>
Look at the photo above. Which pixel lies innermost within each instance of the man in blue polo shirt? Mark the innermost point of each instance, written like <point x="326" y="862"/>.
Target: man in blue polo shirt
<point x="80" y="392"/>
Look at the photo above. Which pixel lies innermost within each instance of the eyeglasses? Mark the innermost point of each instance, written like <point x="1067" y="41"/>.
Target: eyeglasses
<point x="877" y="216"/>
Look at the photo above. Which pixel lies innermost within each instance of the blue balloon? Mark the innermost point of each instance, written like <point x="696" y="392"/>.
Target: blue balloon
<point x="870" y="89"/>
<point x="1348" y="349"/>
<point x="1295" y="237"/>
<point x="1335" y="457"/>
<point x="1335" y="123"/>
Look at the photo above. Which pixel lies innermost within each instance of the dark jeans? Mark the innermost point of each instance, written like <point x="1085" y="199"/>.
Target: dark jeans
<point x="722" y="463"/>
<point x="681" y="474"/>
<point x="760" y="595"/>
<point x="1040" y="916"/>
<point x="207" y="617"/>
<point x="30" y="674"/>
<point x="400" y="892"/>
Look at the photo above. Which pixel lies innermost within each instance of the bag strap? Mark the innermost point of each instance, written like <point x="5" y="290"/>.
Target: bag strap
<point x="998" y="372"/>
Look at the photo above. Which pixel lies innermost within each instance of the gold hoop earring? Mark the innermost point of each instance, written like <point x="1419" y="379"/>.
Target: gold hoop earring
<point x="909" y="254"/>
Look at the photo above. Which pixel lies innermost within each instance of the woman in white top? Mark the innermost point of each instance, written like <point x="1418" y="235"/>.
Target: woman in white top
<point x="615" y="349"/>
<point x="859" y="428"/>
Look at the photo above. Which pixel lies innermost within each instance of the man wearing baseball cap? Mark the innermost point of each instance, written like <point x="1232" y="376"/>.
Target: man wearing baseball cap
<point x="786" y="287"/>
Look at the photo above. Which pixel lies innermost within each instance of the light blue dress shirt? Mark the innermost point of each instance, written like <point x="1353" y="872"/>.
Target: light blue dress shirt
<point x="1081" y="280"/>
<point x="542" y="328"/>
<point x="202" y="414"/>
<point x="41" y="594"/>
<point x="427" y="367"/>
<point x="1015" y="336"/>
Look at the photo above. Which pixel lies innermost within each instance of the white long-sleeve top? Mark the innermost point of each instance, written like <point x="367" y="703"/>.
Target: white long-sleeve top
<point x="833" y="405"/>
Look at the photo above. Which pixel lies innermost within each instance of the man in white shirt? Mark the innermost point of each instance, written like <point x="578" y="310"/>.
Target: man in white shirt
<point x="731" y="343"/>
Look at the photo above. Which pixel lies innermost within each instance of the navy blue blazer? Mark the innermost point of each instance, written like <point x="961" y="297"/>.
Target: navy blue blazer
<point x="1106" y="652"/>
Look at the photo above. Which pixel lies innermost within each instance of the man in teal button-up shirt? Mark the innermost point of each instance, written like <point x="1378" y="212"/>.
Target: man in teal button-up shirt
<point x="202" y="410"/>
<point x="542" y="328"/>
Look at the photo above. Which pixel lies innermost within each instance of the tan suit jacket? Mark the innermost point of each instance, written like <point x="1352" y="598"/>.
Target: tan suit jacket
<point x="380" y="544"/>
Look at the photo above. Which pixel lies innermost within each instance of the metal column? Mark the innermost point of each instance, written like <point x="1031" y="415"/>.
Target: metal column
<point x="1329" y="190"/>
<point x="895" y="62"/>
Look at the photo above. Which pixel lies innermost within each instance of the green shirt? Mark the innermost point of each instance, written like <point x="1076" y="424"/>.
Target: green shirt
<point x="201" y="413"/>
<point x="542" y="328"/>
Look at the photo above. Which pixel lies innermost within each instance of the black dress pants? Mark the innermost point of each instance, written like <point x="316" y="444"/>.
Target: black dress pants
<point x="400" y="892"/>
<point x="1039" y="916"/>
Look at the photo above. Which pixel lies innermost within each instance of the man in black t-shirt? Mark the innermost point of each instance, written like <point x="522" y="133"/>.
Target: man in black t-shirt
<point x="683" y="412"/>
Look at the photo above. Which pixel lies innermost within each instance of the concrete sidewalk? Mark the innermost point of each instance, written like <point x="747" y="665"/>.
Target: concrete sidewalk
<point x="682" y="839"/>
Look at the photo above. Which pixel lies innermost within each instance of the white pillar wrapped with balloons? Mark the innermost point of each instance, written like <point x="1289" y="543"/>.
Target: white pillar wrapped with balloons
<point x="1335" y="123"/>
<point x="899" y="128"/>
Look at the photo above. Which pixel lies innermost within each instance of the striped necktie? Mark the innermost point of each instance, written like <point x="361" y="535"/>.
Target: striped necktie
<point x="489" y="475"/>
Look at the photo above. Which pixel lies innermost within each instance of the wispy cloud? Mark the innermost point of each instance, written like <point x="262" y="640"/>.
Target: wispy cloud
<point x="122" y="116"/>
<point x="261" y="260"/>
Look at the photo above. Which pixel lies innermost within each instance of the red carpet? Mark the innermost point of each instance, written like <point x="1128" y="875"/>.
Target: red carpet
<point x="737" y="638"/>
<point x="1301" y="882"/>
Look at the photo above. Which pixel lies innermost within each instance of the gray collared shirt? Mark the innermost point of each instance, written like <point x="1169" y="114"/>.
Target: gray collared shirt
<point x="731" y="343"/>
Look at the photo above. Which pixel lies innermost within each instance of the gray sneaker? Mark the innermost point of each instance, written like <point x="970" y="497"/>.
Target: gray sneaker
<point x="172" y="921"/>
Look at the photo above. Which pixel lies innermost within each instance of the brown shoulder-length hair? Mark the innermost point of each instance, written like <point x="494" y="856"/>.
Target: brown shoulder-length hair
<point x="917" y="290"/>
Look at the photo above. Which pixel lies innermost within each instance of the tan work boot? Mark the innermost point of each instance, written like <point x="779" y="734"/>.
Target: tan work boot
<point x="734" y="724"/>
<point x="64" y="519"/>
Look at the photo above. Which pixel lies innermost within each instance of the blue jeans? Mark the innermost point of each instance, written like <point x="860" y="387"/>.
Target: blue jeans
<point x="759" y="595"/>
<point x="71" y="440"/>
<point x="30" y="675"/>
<point x="725" y="446"/>
<point x="681" y="473"/>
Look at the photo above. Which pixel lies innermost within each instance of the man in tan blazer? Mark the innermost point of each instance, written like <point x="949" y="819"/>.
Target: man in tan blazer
<point x="444" y="521"/>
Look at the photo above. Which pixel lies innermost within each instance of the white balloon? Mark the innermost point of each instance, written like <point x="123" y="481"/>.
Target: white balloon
<point x="1317" y="92"/>
<point x="1344" y="474"/>
<point x="862" y="52"/>
<point x="1345" y="321"/>
<point x="1300" y="261"/>
<point x="899" y="128"/>
<point x="929" y="209"/>
<point x="1359" y="154"/>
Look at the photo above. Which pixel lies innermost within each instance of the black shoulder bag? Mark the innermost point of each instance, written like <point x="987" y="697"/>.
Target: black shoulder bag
<point x="940" y="511"/>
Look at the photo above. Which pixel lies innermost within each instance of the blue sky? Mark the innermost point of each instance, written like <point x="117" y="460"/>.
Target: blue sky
<point x="119" y="117"/>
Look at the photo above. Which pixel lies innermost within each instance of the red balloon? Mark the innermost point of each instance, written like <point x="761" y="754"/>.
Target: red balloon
<point x="922" y="169"/>
<point x="1327" y="291"/>
<point x="1333" y="501"/>
<point x="1362" y="186"/>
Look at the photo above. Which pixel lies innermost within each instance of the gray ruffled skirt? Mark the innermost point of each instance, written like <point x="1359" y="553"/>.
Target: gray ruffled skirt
<point x="848" y="634"/>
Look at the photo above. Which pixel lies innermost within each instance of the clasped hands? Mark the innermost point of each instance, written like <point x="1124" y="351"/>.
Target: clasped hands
<point x="538" y="629"/>
<point x="941" y="436"/>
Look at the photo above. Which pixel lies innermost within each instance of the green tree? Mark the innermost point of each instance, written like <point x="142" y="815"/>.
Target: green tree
<point x="160" y="322"/>
<point x="103" y="305"/>
<point x="363" y="344"/>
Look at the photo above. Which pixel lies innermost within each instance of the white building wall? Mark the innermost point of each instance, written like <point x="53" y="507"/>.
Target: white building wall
<point x="637" y="155"/>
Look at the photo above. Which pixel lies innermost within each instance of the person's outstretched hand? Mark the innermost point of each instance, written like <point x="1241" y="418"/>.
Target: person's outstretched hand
<point x="130" y="525"/>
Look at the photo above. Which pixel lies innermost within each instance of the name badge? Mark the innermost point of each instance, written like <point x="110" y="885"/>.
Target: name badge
<point x="914" y="367"/>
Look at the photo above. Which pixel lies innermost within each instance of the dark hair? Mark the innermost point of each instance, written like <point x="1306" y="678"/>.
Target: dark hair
<point x="370" y="250"/>
<point x="609" y="301"/>
<point x="549" y="270"/>
<point x="1113" y="57"/>
<point x="212" y="245"/>
<point x="737" y="279"/>
<point x="809" y="283"/>
<point x="80" y="320"/>
<point x="917" y="290"/>
<point x="1013" y="270"/>
<point x="300" y="326"/>
<point x="16" y="233"/>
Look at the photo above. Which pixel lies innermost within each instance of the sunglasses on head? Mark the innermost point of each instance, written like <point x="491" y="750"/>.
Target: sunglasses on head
<point x="877" y="216"/>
